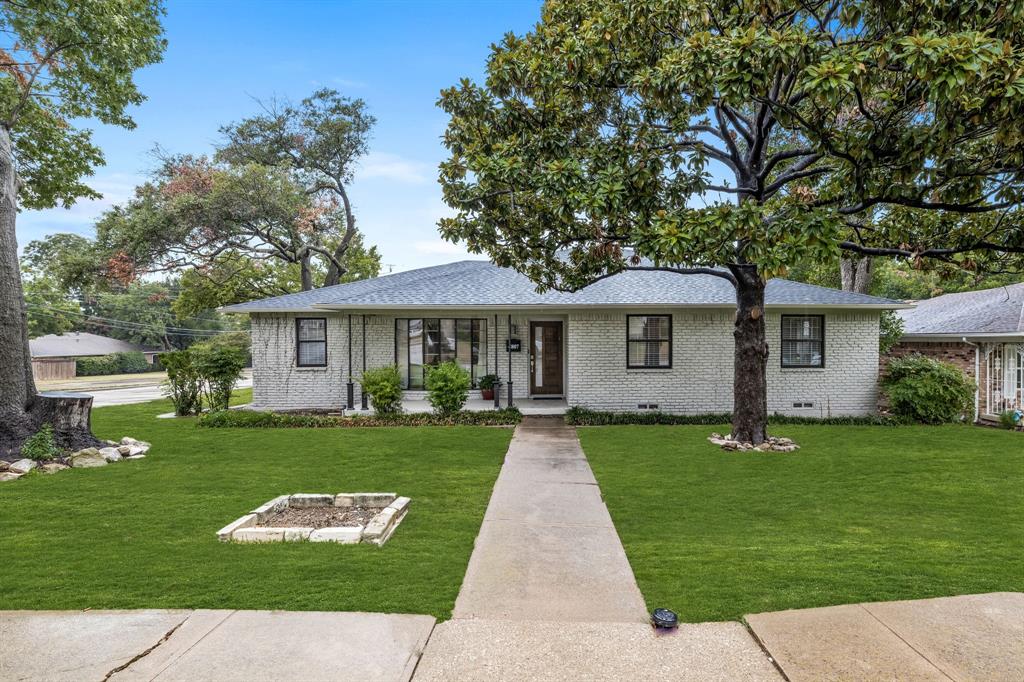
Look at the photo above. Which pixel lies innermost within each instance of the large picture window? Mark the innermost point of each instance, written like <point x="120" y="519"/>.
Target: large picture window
<point x="803" y="340"/>
<point x="649" y="341"/>
<point x="311" y="341"/>
<point x="420" y="343"/>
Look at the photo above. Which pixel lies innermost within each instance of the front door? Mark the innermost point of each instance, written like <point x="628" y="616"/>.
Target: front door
<point x="545" y="358"/>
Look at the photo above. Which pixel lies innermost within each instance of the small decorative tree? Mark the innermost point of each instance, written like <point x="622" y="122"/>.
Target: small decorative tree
<point x="448" y="387"/>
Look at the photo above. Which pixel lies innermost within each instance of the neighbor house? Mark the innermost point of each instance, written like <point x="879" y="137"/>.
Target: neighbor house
<point x="982" y="332"/>
<point x="55" y="356"/>
<point x="641" y="340"/>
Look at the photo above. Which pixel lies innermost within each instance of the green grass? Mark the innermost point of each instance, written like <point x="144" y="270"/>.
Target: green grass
<point x="858" y="514"/>
<point x="142" y="534"/>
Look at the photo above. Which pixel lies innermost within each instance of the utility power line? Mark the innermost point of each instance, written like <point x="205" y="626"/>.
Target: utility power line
<point x="128" y="324"/>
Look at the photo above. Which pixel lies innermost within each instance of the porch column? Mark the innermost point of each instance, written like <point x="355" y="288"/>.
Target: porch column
<point x="508" y="350"/>
<point x="497" y="384"/>
<point x="364" y="399"/>
<point x="350" y="393"/>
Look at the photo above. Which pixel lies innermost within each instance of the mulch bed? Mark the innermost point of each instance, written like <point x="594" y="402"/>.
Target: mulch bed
<point x="321" y="517"/>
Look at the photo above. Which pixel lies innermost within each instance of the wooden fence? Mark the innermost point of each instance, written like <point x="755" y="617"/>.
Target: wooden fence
<point x="47" y="369"/>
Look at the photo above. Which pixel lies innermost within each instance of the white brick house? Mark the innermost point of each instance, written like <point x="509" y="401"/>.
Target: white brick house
<point x="635" y="341"/>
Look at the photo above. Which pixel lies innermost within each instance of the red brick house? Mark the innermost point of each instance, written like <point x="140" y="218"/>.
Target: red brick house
<point x="982" y="332"/>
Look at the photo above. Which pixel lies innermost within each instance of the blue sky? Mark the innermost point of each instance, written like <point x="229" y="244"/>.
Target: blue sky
<point x="395" y="55"/>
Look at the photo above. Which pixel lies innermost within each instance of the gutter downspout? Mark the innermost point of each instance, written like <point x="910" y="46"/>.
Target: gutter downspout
<point x="977" y="379"/>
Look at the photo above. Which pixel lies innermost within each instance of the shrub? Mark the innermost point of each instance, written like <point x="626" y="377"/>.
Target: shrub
<point x="384" y="386"/>
<point x="448" y="387"/>
<point x="581" y="416"/>
<point x="40" y="445"/>
<point x="219" y="366"/>
<point x="926" y="390"/>
<point x="890" y="331"/>
<point x="131" y="362"/>
<point x="257" y="420"/>
<point x="1009" y="419"/>
<point x="184" y="385"/>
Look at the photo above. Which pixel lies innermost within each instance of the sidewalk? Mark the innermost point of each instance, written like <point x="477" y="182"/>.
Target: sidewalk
<point x="549" y="593"/>
<point x="246" y="646"/>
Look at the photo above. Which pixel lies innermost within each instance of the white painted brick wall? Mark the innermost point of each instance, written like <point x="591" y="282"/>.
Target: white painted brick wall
<point x="702" y="373"/>
<point x="596" y="375"/>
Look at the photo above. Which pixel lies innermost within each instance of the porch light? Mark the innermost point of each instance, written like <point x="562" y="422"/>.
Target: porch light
<point x="664" y="619"/>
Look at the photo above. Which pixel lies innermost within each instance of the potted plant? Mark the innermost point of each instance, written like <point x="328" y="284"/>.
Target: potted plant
<point x="487" y="383"/>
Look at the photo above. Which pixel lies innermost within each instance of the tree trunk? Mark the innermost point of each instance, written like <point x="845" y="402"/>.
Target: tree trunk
<point x="750" y="361"/>
<point x="69" y="414"/>
<point x="21" y="411"/>
<point x="306" y="271"/>
<point x="855" y="274"/>
<point x="17" y="389"/>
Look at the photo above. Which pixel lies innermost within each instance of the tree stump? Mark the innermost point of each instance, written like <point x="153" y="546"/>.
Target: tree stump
<point x="69" y="414"/>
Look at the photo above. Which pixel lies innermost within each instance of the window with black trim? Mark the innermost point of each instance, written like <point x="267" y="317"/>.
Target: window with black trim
<point x="311" y="341"/>
<point x="648" y="341"/>
<point x="803" y="341"/>
<point x="425" y="342"/>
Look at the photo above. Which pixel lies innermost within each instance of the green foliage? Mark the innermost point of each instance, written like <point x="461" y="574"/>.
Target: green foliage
<point x="184" y="385"/>
<point x="488" y="381"/>
<point x="927" y="390"/>
<point x="40" y="446"/>
<point x="447" y="387"/>
<point x="1009" y="419"/>
<point x="49" y="309"/>
<point x="581" y="416"/>
<point x="384" y="386"/>
<point x="890" y="331"/>
<point x="70" y="61"/>
<point x="219" y="365"/>
<point x="234" y="277"/>
<point x="251" y="419"/>
<point x="694" y="135"/>
<point x="128" y="362"/>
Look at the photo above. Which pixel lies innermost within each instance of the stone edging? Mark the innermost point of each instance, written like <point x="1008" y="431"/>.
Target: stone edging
<point x="379" y="530"/>
<point x="127" y="448"/>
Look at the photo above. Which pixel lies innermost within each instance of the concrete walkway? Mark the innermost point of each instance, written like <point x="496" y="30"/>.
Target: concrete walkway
<point x="973" y="637"/>
<point x="550" y="595"/>
<point x="93" y="646"/>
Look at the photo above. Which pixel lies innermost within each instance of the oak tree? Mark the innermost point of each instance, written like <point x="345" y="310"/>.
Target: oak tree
<point x="61" y="62"/>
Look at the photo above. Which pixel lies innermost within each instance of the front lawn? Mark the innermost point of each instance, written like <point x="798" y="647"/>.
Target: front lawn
<point x="142" y="534"/>
<point x="858" y="514"/>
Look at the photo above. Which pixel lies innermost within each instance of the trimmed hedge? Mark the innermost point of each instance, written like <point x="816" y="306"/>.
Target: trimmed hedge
<point x="249" y="419"/>
<point x="581" y="416"/>
<point x="132" y="362"/>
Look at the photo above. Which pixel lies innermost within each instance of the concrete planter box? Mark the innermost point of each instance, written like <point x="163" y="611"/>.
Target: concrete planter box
<point x="377" y="531"/>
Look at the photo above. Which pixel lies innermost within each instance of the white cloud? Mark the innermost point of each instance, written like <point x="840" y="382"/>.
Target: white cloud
<point x="394" y="167"/>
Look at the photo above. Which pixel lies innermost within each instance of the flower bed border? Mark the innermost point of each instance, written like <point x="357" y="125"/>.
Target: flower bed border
<point x="379" y="530"/>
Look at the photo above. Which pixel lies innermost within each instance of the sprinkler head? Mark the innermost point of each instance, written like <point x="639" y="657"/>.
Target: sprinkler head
<point x="665" y="619"/>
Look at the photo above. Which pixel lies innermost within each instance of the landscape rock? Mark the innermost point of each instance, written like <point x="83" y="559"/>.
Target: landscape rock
<point x="9" y="476"/>
<point x="349" y="535"/>
<point x="225" y="533"/>
<point x="135" y="457"/>
<point x="773" y="444"/>
<point x="110" y="454"/>
<point x="4" y="465"/>
<point x="125" y="450"/>
<point x="131" y="441"/>
<point x="52" y="467"/>
<point x="306" y="500"/>
<point x="89" y="457"/>
<point x="23" y="466"/>
<point x="258" y="535"/>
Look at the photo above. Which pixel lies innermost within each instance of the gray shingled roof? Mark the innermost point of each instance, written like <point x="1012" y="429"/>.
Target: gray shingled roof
<point x="990" y="311"/>
<point x="483" y="284"/>
<point x="78" y="344"/>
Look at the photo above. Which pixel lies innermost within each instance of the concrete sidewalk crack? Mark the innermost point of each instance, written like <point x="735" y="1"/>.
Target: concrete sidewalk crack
<point x="909" y="645"/>
<point x="143" y="654"/>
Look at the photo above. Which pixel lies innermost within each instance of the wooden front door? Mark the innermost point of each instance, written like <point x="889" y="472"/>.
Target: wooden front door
<point x="545" y="358"/>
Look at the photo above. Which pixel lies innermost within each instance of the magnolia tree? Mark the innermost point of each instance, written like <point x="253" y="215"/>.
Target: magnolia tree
<point x="737" y="140"/>
<point x="61" y="61"/>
